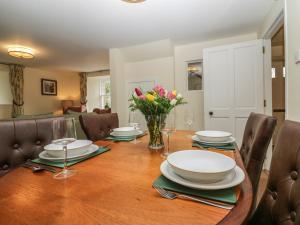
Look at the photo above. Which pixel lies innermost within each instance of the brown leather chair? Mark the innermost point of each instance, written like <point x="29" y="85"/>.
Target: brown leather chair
<point x="21" y="140"/>
<point x="257" y="135"/>
<point x="280" y="202"/>
<point x="102" y="111"/>
<point x="97" y="127"/>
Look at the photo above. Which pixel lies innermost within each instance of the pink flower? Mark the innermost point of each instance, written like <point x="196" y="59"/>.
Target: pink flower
<point x="161" y="92"/>
<point x="170" y="95"/>
<point x="157" y="88"/>
<point x="142" y="97"/>
<point x="138" y="91"/>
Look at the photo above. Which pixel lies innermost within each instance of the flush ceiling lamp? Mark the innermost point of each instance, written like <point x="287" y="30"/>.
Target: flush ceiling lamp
<point x="133" y="1"/>
<point x="21" y="52"/>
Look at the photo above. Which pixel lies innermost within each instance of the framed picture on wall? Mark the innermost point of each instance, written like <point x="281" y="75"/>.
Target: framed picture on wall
<point x="48" y="87"/>
<point x="195" y="75"/>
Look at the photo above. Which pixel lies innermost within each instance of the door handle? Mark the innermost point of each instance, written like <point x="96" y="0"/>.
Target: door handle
<point x="211" y="113"/>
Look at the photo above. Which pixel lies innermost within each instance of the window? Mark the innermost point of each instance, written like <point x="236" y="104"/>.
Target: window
<point x="104" y="85"/>
<point x="195" y="75"/>
<point x="273" y="72"/>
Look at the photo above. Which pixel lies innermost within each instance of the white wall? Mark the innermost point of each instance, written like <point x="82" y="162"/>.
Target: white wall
<point x="293" y="69"/>
<point x="5" y="92"/>
<point x="138" y="63"/>
<point x="195" y="99"/>
<point x="273" y="15"/>
<point x="169" y="69"/>
<point x="93" y="93"/>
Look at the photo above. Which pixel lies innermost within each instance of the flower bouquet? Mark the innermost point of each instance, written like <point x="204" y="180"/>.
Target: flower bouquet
<point x="155" y="105"/>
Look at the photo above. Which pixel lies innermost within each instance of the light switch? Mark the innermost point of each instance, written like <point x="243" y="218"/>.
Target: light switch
<point x="297" y="57"/>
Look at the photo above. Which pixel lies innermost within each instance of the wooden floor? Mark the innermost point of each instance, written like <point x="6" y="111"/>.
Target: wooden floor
<point x="262" y="184"/>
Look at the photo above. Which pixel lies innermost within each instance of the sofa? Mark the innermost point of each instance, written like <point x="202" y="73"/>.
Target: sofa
<point x="22" y="140"/>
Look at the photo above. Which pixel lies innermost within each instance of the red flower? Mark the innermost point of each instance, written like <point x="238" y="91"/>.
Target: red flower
<point x="138" y="91"/>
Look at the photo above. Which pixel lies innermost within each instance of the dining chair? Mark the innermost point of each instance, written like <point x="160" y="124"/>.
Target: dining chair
<point x="257" y="135"/>
<point x="280" y="201"/>
<point x="98" y="126"/>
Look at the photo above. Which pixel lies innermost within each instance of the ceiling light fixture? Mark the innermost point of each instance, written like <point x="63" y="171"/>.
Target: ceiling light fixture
<point x="21" y="52"/>
<point x="133" y="1"/>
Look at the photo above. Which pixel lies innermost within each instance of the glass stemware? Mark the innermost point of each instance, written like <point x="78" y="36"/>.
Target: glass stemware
<point x="134" y="123"/>
<point x="167" y="127"/>
<point x="64" y="133"/>
<point x="189" y="119"/>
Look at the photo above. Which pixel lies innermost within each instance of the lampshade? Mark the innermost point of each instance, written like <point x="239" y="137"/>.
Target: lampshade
<point x="21" y="52"/>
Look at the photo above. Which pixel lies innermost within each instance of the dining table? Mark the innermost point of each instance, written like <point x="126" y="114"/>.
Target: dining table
<point x="113" y="188"/>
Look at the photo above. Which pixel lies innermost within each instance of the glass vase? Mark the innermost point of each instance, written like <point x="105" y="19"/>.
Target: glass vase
<point x="154" y="123"/>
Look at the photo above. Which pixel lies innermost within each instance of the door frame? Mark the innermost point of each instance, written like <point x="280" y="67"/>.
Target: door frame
<point x="274" y="27"/>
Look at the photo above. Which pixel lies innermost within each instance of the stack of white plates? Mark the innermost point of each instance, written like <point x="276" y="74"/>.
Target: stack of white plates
<point x="210" y="137"/>
<point x="126" y="132"/>
<point x="76" y="150"/>
<point x="204" y="170"/>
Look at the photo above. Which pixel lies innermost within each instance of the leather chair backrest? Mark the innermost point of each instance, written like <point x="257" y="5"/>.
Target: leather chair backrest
<point x="257" y="135"/>
<point x="21" y="140"/>
<point x="280" y="202"/>
<point x="97" y="127"/>
<point x="102" y="111"/>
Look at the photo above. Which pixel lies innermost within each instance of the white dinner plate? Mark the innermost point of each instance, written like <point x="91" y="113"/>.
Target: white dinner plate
<point x="138" y="133"/>
<point x="91" y="149"/>
<point x="236" y="178"/>
<point x="213" y="135"/>
<point x="197" y="139"/>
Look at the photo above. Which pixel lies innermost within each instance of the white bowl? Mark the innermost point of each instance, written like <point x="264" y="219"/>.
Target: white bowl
<point x="125" y="131"/>
<point x="213" y="136"/>
<point x="75" y="148"/>
<point x="201" y="166"/>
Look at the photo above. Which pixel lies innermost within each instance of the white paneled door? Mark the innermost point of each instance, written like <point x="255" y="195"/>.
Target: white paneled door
<point x="233" y="86"/>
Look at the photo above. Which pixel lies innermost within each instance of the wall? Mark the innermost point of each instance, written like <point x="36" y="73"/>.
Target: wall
<point x="35" y="103"/>
<point x="169" y="69"/>
<point x="293" y="69"/>
<point x="266" y="28"/>
<point x="191" y="52"/>
<point x="138" y="63"/>
<point x="5" y="93"/>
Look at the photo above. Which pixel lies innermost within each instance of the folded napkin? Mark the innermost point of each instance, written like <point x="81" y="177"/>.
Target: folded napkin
<point x="124" y="138"/>
<point x="225" y="195"/>
<point x="230" y="146"/>
<point x="70" y="163"/>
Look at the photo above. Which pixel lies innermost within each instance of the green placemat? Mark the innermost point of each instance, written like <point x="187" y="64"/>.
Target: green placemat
<point x="125" y="139"/>
<point x="230" y="146"/>
<point x="226" y="195"/>
<point x="70" y="163"/>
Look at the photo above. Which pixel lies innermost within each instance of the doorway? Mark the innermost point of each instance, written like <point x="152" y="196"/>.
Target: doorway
<point x="278" y="79"/>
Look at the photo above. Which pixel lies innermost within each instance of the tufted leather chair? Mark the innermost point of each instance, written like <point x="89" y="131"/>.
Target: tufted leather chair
<point x="23" y="139"/>
<point x="97" y="127"/>
<point x="280" y="202"/>
<point x="257" y="135"/>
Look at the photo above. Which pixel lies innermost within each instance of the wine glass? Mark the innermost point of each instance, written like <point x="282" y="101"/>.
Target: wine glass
<point x="167" y="127"/>
<point x="134" y="123"/>
<point x="64" y="133"/>
<point x="189" y="119"/>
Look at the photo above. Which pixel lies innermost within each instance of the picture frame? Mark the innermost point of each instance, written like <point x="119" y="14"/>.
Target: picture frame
<point x="195" y="75"/>
<point x="48" y="87"/>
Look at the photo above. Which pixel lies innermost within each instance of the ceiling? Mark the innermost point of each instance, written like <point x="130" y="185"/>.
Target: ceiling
<point x="76" y="34"/>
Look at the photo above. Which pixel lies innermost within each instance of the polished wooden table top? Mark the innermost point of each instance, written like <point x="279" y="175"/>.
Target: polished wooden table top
<point x="114" y="188"/>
